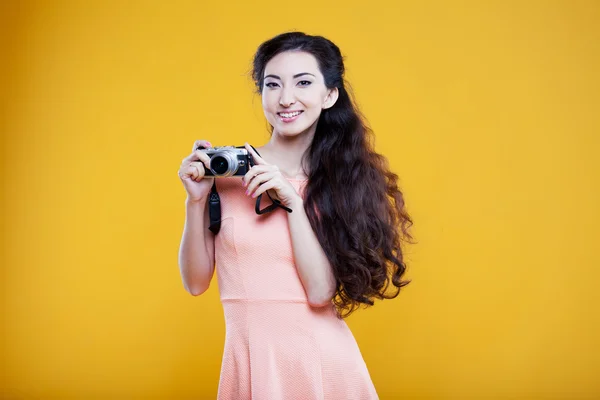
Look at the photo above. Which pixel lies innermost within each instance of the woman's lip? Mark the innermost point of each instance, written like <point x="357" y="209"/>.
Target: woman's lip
<point x="283" y="119"/>
<point x="289" y="112"/>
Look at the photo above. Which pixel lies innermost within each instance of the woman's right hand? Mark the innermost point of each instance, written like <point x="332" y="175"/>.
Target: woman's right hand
<point x="191" y="172"/>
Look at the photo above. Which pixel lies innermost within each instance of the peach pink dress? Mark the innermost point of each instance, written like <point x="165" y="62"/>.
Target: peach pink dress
<point x="277" y="347"/>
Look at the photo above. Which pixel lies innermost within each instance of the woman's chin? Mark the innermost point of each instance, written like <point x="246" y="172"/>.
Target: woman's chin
<point x="289" y="133"/>
<point x="291" y="130"/>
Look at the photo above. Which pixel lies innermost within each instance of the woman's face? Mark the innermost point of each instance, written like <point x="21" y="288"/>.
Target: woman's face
<point x="294" y="93"/>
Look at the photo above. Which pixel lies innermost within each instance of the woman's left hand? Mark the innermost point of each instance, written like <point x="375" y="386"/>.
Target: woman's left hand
<point x="264" y="177"/>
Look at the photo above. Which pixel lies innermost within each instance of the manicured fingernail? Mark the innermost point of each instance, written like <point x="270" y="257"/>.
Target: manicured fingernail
<point x="247" y="192"/>
<point x="253" y="195"/>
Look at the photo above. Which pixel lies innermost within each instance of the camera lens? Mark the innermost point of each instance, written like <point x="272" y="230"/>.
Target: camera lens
<point x="219" y="165"/>
<point x="224" y="163"/>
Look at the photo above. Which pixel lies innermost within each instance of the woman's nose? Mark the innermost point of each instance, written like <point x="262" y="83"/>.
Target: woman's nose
<point x="287" y="98"/>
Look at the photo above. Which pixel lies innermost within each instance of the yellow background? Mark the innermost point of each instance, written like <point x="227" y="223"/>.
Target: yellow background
<point x="488" y="111"/>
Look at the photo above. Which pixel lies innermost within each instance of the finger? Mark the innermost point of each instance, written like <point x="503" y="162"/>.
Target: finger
<point x="259" y="179"/>
<point x="186" y="172"/>
<point x="197" y="171"/>
<point x="257" y="159"/>
<point x="202" y="156"/>
<point x="264" y="187"/>
<point x="191" y="171"/>
<point x="192" y="157"/>
<point x="257" y="169"/>
<point x="204" y="143"/>
<point x="197" y="155"/>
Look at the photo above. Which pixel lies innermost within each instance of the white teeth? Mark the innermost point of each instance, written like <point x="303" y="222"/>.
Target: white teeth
<point x="290" y="115"/>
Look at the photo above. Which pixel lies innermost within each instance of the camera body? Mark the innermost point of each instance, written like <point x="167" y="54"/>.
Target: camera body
<point x="227" y="161"/>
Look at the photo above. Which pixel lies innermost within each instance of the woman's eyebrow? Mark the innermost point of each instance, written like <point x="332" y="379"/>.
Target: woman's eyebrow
<point x="295" y="76"/>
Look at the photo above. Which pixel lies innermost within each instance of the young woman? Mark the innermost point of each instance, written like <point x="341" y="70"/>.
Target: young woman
<point x="287" y="279"/>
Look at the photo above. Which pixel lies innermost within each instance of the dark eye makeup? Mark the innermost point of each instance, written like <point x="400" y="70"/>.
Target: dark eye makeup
<point x="274" y="84"/>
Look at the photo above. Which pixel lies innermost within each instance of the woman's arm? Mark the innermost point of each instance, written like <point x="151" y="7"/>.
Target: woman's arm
<point x="312" y="263"/>
<point x="197" y="248"/>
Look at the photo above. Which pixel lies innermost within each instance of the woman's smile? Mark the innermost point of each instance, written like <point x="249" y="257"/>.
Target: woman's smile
<point x="289" y="116"/>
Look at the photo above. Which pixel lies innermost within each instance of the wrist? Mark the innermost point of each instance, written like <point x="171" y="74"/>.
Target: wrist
<point x="297" y="204"/>
<point x="191" y="202"/>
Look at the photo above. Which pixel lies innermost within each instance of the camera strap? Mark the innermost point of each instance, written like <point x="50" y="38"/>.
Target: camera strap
<point x="214" y="209"/>
<point x="214" y="204"/>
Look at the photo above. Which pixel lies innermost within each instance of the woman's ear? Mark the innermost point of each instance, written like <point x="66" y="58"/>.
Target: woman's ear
<point x="331" y="98"/>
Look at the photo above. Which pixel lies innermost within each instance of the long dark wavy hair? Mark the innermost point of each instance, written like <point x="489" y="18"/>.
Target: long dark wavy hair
<point x="352" y="199"/>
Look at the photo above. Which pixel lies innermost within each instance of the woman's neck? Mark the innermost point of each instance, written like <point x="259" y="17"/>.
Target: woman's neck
<point x="286" y="153"/>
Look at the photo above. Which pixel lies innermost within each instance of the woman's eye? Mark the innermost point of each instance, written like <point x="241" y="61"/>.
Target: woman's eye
<point x="270" y="84"/>
<point x="304" y="83"/>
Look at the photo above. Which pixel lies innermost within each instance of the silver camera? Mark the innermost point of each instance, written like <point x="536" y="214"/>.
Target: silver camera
<point x="226" y="161"/>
